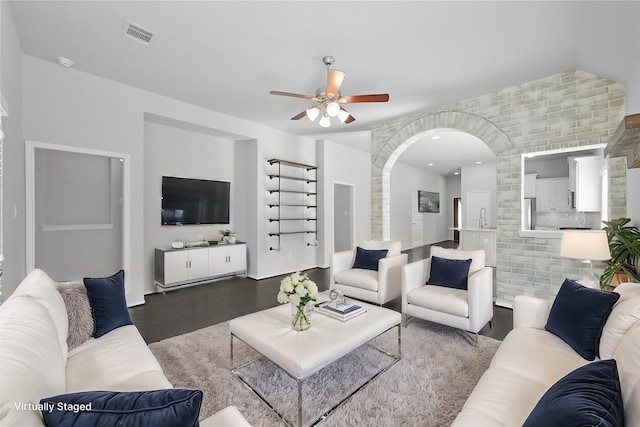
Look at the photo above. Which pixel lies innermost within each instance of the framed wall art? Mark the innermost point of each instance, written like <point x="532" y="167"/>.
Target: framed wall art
<point x="428" y="202"/>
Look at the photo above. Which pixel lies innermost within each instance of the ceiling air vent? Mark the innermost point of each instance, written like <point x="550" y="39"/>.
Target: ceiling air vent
<point x="137" y="33"/>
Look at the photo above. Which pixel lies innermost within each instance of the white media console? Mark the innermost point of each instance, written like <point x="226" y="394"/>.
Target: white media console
<point x="177" y="268"/>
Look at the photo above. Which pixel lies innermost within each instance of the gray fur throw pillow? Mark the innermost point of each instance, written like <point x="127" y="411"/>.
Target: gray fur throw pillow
<point x="76" y="300"/>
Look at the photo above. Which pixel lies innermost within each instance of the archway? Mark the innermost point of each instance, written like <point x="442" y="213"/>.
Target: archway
<point x="390" y="140"/>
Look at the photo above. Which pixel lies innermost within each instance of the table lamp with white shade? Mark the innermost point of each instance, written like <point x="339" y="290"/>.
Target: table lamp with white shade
<point x="587" y="245"/>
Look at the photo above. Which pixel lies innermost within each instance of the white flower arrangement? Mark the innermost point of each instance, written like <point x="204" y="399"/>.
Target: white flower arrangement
<point x="297" y="289"/>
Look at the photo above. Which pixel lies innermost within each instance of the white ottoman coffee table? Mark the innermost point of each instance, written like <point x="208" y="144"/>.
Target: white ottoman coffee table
<point x="301" y="354"/>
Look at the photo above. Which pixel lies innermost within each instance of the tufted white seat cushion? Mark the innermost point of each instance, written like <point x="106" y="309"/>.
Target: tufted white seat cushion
<point x="441" y="299"/>
<point x="360" y="278"/>
<point x="122" y="355"/>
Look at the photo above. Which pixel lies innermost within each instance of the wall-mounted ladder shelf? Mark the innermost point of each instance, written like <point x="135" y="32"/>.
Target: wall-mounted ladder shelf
<point x="295" y="210"/>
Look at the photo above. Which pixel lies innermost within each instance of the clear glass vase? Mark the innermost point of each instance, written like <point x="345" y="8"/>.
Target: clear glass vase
<point x="301" y="316"/>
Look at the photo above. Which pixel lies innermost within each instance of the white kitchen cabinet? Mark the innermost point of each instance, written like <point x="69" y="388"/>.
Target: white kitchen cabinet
<point x="175" y="268"/>
<point x="588" y="185"/>
<point x="475" y="239"/>
<point x="530" y="185"/>
<point x="183" y="266"/>
<point x="227" y="259"/>
<point x="552" y="194"/>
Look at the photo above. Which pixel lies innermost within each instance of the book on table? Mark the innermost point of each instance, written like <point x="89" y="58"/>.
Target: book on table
<point x="342" y="311"/>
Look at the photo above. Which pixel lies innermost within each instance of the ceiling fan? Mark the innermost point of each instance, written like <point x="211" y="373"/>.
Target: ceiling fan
<point x="329" y="99"/>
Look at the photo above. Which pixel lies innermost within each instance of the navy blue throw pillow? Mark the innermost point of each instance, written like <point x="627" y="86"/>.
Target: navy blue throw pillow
<point x="171" y="407"/>
<point x="368" y="258"/>
<point x="450" y="273"/>
<point x="587" y="396"/>
<point x="578" y="315"/>
<point x="108" y="303"/>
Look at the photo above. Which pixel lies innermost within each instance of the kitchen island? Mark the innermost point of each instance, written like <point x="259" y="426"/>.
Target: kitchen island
<point x="474" y="238"/>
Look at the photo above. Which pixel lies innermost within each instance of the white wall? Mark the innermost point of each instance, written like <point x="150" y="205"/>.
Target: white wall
<point x="603" y="43"/>
<point x="13" y="194"/>
<point x="69" y="107"/>
<point x="346" y="165"/>
<point x="61" y="179"/>
<point x="169" y="151"/>
<point x="480" y="178"/>
<point x="633" y="196"/>
<point x="552" y="168"/>
<point x="294" y="255"/>
<point x="454" y="183"/>
<point x="406" y="180"/>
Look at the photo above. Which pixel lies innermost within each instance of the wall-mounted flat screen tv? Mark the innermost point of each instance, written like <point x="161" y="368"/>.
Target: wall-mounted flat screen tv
<point x="187" y="201"/>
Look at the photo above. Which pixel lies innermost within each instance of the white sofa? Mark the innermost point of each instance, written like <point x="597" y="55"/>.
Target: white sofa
<point x="530" y="360"/>
<point x="35" y="361"/>
<point x="377" y="287"/>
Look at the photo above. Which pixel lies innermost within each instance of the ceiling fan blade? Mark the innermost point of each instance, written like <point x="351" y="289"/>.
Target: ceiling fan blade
<point x="349" y="117"/>
<point x="295" y="95"/>
<point x="380" y="97"/>
<point x="334" y="81"/>
<point x="299" y="116"/>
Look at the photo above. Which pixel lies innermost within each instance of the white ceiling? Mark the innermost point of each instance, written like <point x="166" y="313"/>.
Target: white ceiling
<point x="445" y="154"/>
<point x="227" y="56"/>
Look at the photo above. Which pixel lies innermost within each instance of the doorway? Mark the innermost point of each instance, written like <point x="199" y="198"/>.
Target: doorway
<point x="457" y="218"/>
<point x="77" y="212"/>
<point x="342" y="217"/>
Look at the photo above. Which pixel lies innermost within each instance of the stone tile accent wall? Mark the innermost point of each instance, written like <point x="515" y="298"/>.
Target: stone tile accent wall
<point x="564" y="110"/>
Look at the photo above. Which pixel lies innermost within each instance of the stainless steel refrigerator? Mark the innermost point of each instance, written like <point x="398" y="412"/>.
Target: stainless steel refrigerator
<point x="529" y="217"/>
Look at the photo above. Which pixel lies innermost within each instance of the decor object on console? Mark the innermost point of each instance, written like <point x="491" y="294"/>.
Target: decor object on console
<point x="337" y="296"/>
<point x="300" y="291"/>
<point x="531" y="360"/>
<point x="438" y="297"/>
<point x="624" y="243"/>
<point x="295" y="209"/>
<point x="340" y="310"/>
<point x="586" y="245"/>
<point x="228" y="236"/>
<point x="379" y="282"/>
<point x="36" y="363"/>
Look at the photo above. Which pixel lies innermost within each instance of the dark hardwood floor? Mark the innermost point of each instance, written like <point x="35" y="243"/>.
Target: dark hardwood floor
<point x="185" y="310"/>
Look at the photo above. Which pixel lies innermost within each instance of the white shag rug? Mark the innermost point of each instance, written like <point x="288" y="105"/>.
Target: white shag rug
<point x="428" y="387"/>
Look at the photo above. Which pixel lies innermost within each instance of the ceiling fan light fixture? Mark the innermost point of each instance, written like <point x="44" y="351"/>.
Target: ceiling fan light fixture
<point x="333" y="108"/>
<point x="312" y="113"/>
<point x="325" y="121"/>
<point x="343" y="115"/>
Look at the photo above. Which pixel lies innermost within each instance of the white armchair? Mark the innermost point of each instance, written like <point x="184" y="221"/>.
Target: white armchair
<point x="469" y="309"/>
<point x="378" y="287"/>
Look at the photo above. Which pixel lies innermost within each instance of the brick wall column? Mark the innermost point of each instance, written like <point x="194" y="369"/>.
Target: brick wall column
<point x="565" y="110"/>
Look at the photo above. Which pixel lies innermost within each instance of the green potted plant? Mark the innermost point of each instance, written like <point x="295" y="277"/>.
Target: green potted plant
<point x="228" y="236"/>
<point x="624" y="244"/>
